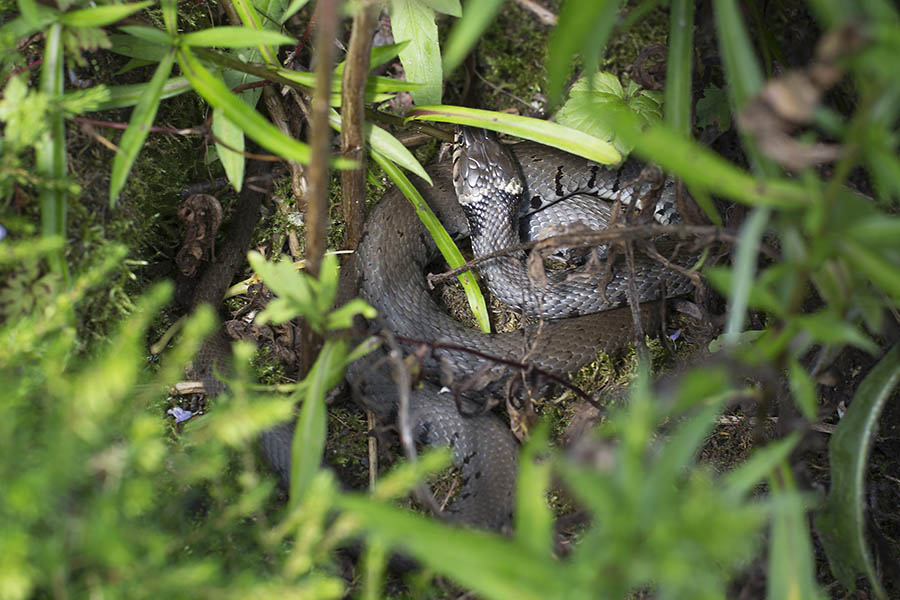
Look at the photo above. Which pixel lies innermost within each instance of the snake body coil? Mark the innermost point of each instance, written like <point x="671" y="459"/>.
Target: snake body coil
<point x="496" y="184"/>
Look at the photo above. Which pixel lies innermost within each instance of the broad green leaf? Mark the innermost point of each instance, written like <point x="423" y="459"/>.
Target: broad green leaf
<point x="35" y="16"/>
<point x="465" y="33"/>
<point x="841" y="521"/>
<point x="413" y="22"/>
<point x="595" y="104"/>
<point x="490" y="565"/>
<point x="584" y="26"/>
<point x="309" y="436"/>
<point x="214" y="91"/>
<point x="383" y="142"/>
<point x="443" y="240"/>
<point x="235" y="37"/>
<point x="537" y="130"/>
<point x="98" y="16"/>
<point x="142" y="117"/>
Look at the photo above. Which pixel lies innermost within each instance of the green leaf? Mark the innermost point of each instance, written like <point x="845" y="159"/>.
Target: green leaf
<point x="877" y="231"/>
<point x="746" y="476"/>
<point x="537" y="130"/>
<point x="467" y="31"/>
<point x="841" y="521"/>
<point x="35" y="16"/>
<point x="378" y="56"/>
<point x="491" y="565"/>
<point x="678" y="67"/>
<point x="309" y="435"/>
<point x="447" y="7"/>
<point x="214" y="91"/>
<point x="584" y="26"/>
<point x="803" y="390"/>
<point x="596" y="103"/>
<point x="383" y="142"/>
<point x="713" y="109"/>
<point x="228" y="136"/>
<point x="883" y="273"/>
<point x="170" y="16"/>
<point x="235" y="37"/>
<point x="293" y="8"/>
<point x="831" y="328"/>
<point x="138" y="127"/>
<point x="534" y="519"/>
<point x="98" y="16"/>
<point x="791" y="567"/>
<point x="440" y="236"/>
<point x="138" y="47"/>
<point x="148" y="34"/>
<point x="743" y="272"/>
<point x="342" y="317"/>
<point x="413" y="22"/>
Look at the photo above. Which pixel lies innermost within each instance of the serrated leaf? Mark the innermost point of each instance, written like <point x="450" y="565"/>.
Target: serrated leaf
<point x="138" y="127"/>
<point x="413" y="22"/>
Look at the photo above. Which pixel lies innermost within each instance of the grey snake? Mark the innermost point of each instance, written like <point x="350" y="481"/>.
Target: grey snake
<point x="498" y="187"/>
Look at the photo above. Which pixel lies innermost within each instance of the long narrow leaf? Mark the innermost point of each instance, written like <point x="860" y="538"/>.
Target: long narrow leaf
<point x="465" y="33"/>
<point x="443" y="240"/>
<point x="123" y="96"/>
<point x="235" y="37"/>
<point x="678" y="67"/>
<point x="255" y="125"/>
<point x="309" y="436"/>
<point x="139" y="126"/>
<point x="383" y="142"/>
<point x="537" y="130"/>
<point x="743" y="273"/>
<point x="98" y="16"/>
<point x="841" y="522"/>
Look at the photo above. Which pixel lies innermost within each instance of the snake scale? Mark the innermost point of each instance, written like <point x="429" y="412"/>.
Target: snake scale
<point x="497" y="186"/>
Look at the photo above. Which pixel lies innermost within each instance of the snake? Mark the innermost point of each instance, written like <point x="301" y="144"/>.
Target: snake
<point x="490" y="192"/>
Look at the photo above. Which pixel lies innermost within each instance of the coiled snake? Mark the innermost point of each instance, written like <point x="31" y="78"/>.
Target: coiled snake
<point x="494" y="183"/>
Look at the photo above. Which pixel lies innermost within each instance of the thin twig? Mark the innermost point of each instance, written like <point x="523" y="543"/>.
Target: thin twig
<point x="544" y="15"/>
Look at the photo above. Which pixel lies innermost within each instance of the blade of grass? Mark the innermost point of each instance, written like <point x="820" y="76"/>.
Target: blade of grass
<point x="123" y="96"/>
<point x="138" y="127"/>
<point x="678" y="67"/>
<point x="98" y="16"/>
<point x="235" y="37"/>
<point x="443" y="240"/>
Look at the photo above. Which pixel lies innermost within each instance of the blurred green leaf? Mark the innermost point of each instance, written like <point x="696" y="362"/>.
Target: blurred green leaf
<point x="148" y="34"/>
<point x="309" y="436"/>
<point x="841" y="521"/>
<point x="142" y="117"/>
<point x="678" y="67"/>
<point x="413" y="22"/>
<point x="803" y="390"/>
<point x="791" y="568"/>
<point x="466" y="32"/>
<point x="741" y="480"/>
<point x="448" y="7"/>
<point x="874" y="265"/>
<point x="584" y="26"/>
<point x="533" y="519"/>
<point x="235" y="37"/>
<point x="98" y="16"/>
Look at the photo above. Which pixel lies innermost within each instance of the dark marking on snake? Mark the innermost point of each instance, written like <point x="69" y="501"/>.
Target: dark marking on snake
<point x="594" y="170"/>
<point x="573" y="313"/>
<point x="558" y="181"/>
<point x="615" y="187"/>
<point x="536" y="202"/>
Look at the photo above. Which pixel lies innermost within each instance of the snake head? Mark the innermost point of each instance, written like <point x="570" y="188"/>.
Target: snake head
<point x="482" y="166"/>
